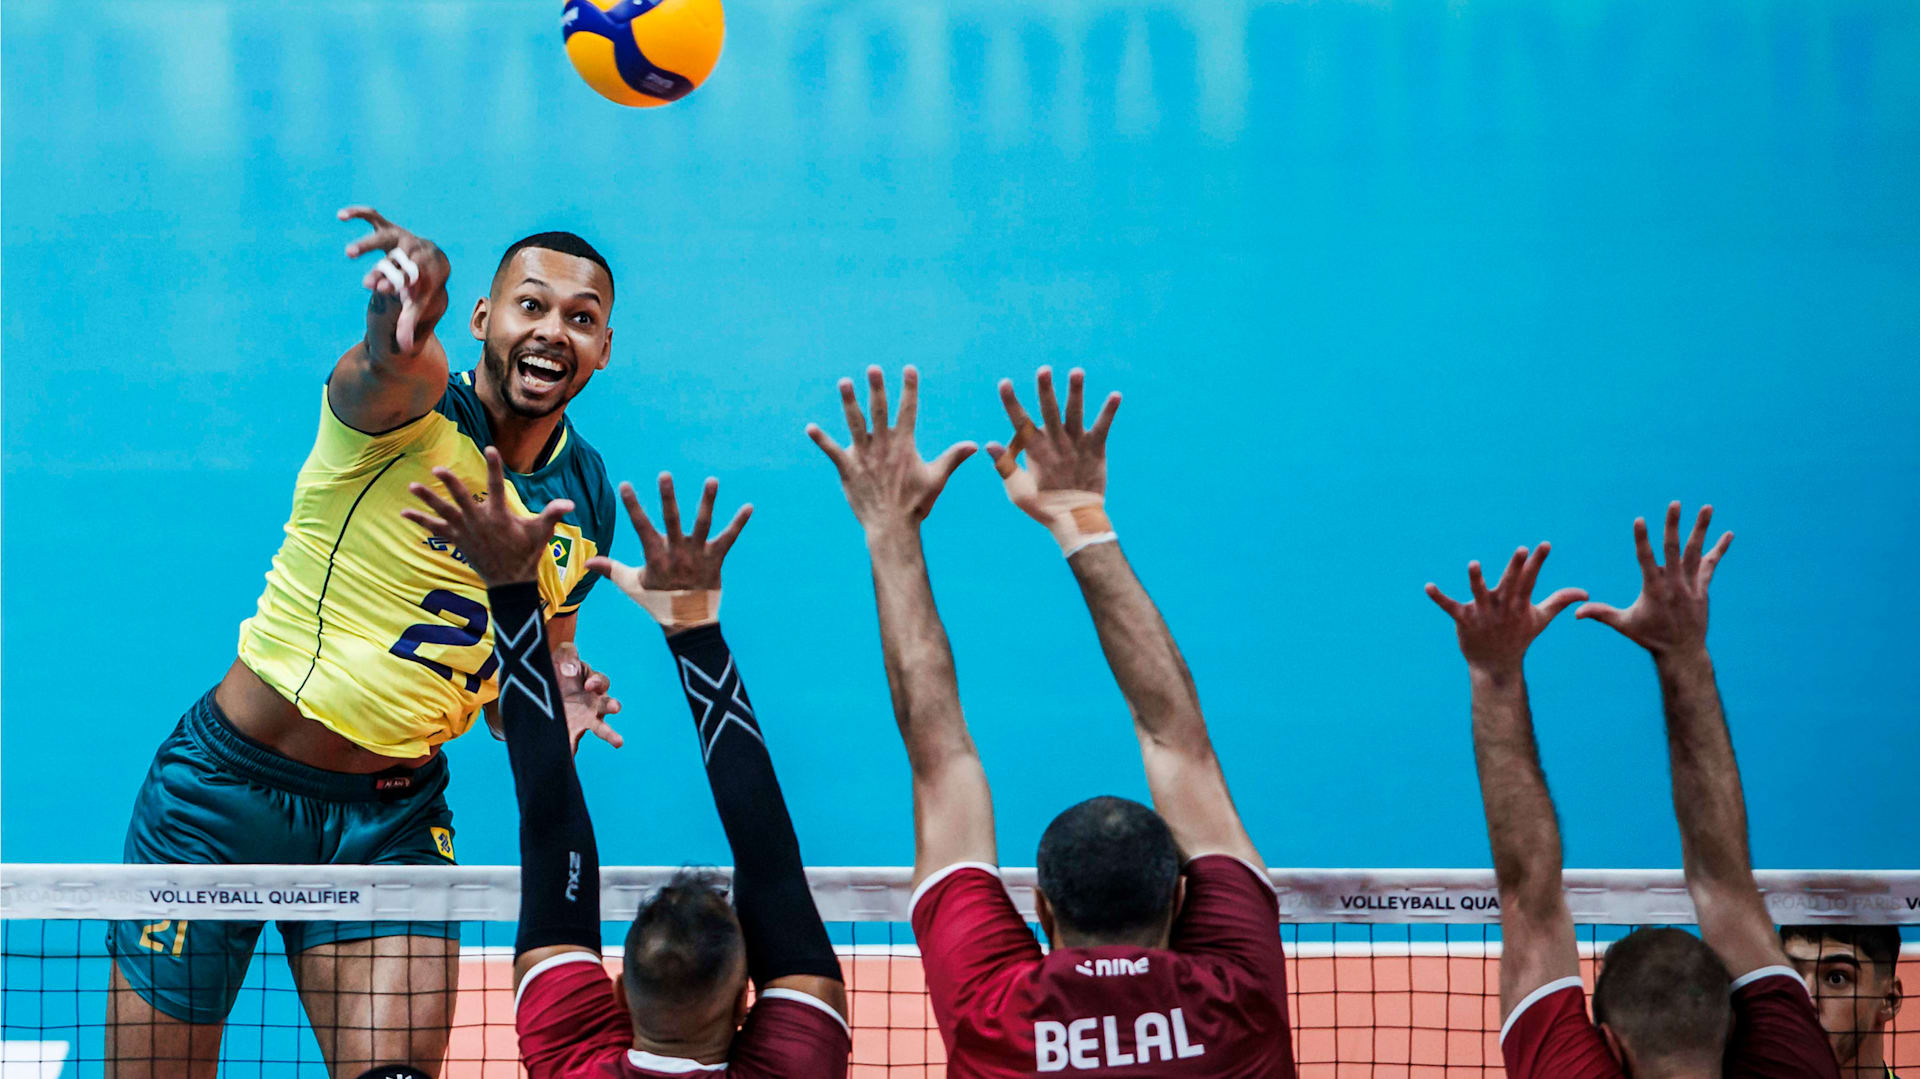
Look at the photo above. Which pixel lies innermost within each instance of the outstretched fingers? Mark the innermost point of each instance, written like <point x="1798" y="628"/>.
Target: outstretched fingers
<point x="642" y="524"/>
<point x="1444" y="602"/>
<point x="669" y="508"/>
<point x="952" y="458"/>
<point x="443" y="510"/>
<point x="455" y="488"/>
<point x="1511" y="577"/>
<point x="1602" y="613"/>
<point x="1712" y="558"/>
<point x="1049" y="405"/>
<point x="1671" y="545"/>
<point x="614" y="570"/>
<point x="834" y="451"/>
<point x="909" y="400"/>
<point x="1696" y="539"/>
<point x="1105" y="419"/>
<point x="496" y="477"/>
<point x="723" y="542"/>
<point x="856" y="423"/>
<point x="1076" y="401"/>
<point x="703" y="516"/>
<point x="551" y="515"/>
<point x="1643" y="549"/>
<point x="877" y="397"/>
<point x="1477" y="582"/>
<point x="1560" y="601"/>
<point x="1022" y="423"/>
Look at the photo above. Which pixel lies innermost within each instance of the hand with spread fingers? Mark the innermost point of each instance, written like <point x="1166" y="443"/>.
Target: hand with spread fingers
<point x="886" y="481"/>
<point x="1064" y="483"/>
<point x="411" y="270"/>
<point x="1670" y="614"/>
<point x="505" y="547"/>
<point x="678" y="582"/>
<point x="1497" y="626"/>
<point x="502" y="545"/>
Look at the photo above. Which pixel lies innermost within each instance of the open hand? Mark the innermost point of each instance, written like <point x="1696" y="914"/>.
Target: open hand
<point x="412" y="270"/>
<point x="1497" y="626"/>
<point x="586" y="695"/>
<point x="885" y="480"/>
<point x="1670" y="614"/>
<point x="502" y="545"/>
<point x="671" y="561"/>
<point x="1064" y="455"/>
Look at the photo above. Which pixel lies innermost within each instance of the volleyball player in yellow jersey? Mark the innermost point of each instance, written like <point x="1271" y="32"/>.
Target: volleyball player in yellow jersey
<point x="372" y="645"/>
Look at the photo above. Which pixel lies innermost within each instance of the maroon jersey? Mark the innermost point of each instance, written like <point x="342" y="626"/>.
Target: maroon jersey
<point x="1776" y="1034"/>
<point x="572" y="1027"/>
<point x="1213" y="1003"/>
<point x="1548" y="1036"/>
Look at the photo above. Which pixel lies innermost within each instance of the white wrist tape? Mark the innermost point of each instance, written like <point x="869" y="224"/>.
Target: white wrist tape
<point x="678" y="608"/>
<point x="1077" y="519"/>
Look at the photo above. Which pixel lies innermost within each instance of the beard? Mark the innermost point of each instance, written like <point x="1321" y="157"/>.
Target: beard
<point x="500" y="369"/>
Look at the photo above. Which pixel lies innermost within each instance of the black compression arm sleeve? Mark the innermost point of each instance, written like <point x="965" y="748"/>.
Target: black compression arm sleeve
<point x="559" y="865"/>
<point x="782" y="927"/>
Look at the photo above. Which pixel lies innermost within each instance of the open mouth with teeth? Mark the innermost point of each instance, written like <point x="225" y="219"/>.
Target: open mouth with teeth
<point x="539" y="375"/>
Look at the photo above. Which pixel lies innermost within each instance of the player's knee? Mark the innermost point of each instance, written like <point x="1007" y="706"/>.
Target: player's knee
<point x="394" y="1071"/>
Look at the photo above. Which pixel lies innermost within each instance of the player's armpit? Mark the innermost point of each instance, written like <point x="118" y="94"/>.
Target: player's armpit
<point x="1190" y="794"/>
<point x="952" y="815"/>
<point x="376" y="396"/>
<point x="828" y="991"/>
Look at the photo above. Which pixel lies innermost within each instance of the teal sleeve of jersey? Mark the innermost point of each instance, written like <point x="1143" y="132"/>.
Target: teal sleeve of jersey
<point x="601" y="531"/>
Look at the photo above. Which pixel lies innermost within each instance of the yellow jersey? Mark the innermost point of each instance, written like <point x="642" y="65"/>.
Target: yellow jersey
<point x="376" y="628"/>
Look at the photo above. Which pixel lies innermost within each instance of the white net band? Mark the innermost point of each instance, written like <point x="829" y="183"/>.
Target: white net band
<point x="880" y="894"/>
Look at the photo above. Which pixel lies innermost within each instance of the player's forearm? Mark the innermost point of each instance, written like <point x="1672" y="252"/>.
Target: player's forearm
<point x="919" y="660"/>
<point x="1521" y="826"/>
<point x="781" y="925"/>
<point x="1151" y="673"/>
<point x="559" y="860"/>
<point x="1707" y="800"/>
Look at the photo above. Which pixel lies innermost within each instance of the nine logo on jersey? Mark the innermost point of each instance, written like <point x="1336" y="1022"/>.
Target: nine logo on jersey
<point x="1106" y="968"/>
<point x="1095" y="1043"/>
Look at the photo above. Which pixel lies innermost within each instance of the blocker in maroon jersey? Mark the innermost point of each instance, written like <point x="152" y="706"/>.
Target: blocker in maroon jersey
<point x="1212" y="1003"/>
<point x="572" y="1026"/>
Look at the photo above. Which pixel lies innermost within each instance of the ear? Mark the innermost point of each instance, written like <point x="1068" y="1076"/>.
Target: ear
<point x="1044" y="911"/>
<point x="1890" y="1007"/>
<point x="1179" y="895"/>
<point x="478" y="324"/>
<point x="740" y="1006"/>
<point x="606" y="351"/>
<point x="1613" y="1046"/>
<point x="620" y="992"/>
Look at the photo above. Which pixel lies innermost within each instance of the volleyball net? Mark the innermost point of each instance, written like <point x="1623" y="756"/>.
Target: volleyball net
<point x="1390" y="973"/>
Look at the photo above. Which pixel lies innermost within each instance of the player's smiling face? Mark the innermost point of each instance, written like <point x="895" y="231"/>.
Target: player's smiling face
<point x="544" y="329"/>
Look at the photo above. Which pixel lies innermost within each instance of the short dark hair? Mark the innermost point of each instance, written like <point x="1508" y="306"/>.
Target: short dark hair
<point x="683" y="945"/>
<point x="1879" y="943"/>
<point x="1666" y="995"/>
<point x="1108" y="868"/>
<point x="566" y="243"/>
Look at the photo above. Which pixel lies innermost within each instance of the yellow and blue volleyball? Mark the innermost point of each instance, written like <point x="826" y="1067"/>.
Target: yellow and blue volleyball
<point x="643" y="52"/>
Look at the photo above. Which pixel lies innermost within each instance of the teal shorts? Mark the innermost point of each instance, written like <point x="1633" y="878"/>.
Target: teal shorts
<point x="214" y="796"/>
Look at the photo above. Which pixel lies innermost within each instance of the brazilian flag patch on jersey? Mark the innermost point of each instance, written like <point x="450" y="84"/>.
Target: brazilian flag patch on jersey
<point x="562" y="552"/>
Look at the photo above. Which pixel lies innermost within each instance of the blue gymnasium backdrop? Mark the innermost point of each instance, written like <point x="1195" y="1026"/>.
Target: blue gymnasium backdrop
<point x="1388" y="287"/>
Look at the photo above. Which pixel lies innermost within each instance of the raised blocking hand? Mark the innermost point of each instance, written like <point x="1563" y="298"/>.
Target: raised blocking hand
<point x="1062" y="455"/>
<point x="885" y="480"/>
<point x="502" y="545"/>
<point x="1670" y="614"/>
<point x="1498" y="625"/>
<point x="412" y="270"/>
<point x="672" y="562"/>
<point x="505" y="547"/>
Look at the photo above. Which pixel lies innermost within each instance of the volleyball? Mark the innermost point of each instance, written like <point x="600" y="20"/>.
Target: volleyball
<point x="643" y="52"/>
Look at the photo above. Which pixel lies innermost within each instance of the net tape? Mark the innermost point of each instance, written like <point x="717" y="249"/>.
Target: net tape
<point x="883" y="894"/>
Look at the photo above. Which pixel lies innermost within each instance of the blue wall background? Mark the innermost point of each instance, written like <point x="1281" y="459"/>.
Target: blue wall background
<point x="1388" y="287"/>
